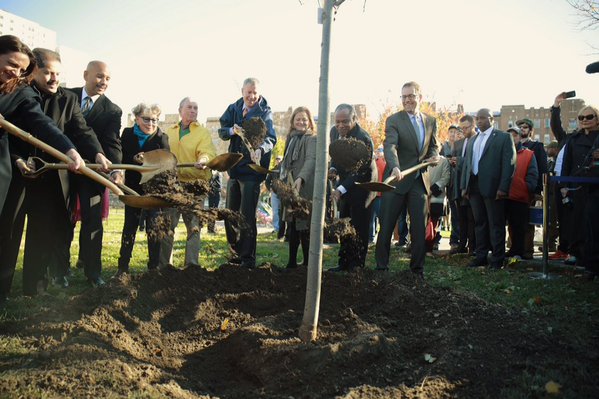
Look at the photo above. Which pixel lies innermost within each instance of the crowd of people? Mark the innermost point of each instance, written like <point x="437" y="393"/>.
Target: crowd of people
<point x="482" y="177"/>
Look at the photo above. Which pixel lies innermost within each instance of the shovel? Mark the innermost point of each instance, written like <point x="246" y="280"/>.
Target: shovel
<point x="131" y="200"/>
<point x="384" y="185"/>
<point x="42" y="166"/>
<point x="221" y="163"/>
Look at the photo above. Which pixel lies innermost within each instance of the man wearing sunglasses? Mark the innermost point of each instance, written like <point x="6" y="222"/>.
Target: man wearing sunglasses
<point x="104" y="117"/>
<point x="527" y="140"/>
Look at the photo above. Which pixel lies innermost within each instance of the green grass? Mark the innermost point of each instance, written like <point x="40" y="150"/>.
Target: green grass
<point x="512" y="288"/>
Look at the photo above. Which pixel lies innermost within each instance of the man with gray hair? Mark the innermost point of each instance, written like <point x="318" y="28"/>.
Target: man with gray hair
<point x="243" y="188"/>
<point x="191" y="143"/>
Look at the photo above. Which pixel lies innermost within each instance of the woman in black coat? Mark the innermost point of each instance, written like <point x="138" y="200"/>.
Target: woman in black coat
<point x="145" y="135"/>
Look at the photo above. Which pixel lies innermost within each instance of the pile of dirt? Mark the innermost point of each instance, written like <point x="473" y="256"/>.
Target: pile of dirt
<point x="254" y="131"/>
<point x="232" y="333"/>
<point x="349" y="154"/>
<point x="294" y="204"/>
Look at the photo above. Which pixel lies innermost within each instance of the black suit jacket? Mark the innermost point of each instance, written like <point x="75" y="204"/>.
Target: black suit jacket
<point x="496" y="165"/>
<point x="22" y="108"/>
<point x="158" y="140"/>
<point x="105" y="119"/>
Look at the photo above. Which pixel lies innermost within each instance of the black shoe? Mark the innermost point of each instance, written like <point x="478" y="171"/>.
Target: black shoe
<point x="96" y="282"/>
<point x="338" y="269"/>
<point x="236" y="260"/>
<point x="291" y="266"/>
<point x="248" y="264"/>
<point x="61" y="282"/>
<point x="478" y="263"/>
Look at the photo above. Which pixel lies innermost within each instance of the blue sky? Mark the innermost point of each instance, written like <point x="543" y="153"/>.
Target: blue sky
<point x="481" y="53"/>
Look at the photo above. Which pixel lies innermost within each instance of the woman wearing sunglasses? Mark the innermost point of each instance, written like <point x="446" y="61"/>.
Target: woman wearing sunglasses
<point x="145" y="135"/>
<point x="579" y="157"/>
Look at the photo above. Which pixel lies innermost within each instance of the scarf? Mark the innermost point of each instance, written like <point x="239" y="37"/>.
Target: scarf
<point x="141" y="136"/>
<point x="291" y="153"/>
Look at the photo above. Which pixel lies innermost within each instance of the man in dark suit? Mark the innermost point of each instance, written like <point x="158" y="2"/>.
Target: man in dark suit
<point x="488" y="169"/>
<point x="463" y="209"/>
<point x="104" y="118"/>
<point x="42" y="250"/>
<point x="352" y="201"/>
<point x="410" y="138"/>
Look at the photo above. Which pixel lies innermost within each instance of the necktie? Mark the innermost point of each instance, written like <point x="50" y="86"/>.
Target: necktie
<point x="86" y="106"/>
<point x="417" y="129"/>
<point x="245" y="112"/>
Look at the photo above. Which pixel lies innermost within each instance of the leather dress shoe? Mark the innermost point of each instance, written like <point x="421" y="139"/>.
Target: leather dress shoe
<point x="61" y="282"/>
<point x="235" y="260"/>
<point x="478" y="263"/>
<point x="96" y="282"/>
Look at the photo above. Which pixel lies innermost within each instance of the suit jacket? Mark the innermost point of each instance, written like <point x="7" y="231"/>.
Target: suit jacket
<point x="105" y="119"/>
<point x="454" y="191"/>
<point x="158" y="140"/>
<point x="402" y="148"/>
<point x="63" y="107"/>
<point x="22" y="108"/>
<point x="496" y="165"/>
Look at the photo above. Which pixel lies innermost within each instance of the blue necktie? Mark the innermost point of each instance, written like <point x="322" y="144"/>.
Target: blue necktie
<point x="418" y="132"/>
<point x="87" y="105"/>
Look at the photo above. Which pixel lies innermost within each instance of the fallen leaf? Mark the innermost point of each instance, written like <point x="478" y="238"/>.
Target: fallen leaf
<point x="429" y="358"/>
<point x="552" y="387"/>
<point x="224" y="325"/>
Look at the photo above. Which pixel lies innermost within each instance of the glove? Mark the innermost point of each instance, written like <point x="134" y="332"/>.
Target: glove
<point x="436" y="190"/>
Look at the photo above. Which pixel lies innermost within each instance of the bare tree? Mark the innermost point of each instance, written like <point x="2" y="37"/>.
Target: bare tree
<point x="309" y="329"/>
<point x="588" y="11"/>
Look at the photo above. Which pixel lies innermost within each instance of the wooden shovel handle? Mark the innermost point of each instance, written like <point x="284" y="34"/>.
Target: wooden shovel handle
<point x="23" y="135"/>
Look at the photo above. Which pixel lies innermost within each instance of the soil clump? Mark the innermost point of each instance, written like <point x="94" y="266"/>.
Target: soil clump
<point x="254" y="131"/>
<point x="294" y="204"/>
<point x="349" y="154"/>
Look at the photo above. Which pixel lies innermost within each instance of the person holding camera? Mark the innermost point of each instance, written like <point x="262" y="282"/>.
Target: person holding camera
<point x="578" y="161"/>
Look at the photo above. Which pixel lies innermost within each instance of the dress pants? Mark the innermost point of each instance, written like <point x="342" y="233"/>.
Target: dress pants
<point x="352" y="254"/>
<point x="466" y="220"/>
<point x="415" y="200"/>
<point x="489" y="225"/>
<point x="49" y="230"/>
<point x="130" y="226"/>
<point x="92" y="231"/>
<point x="516" y="214"/>
<point x="192" y="242"/>
<point x="242" y="196"/>
<point x="12" y="220"/>
<point x="454" y="238"/>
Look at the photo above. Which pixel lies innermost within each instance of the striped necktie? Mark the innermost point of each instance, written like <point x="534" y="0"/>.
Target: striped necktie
<point x="87" y="105"/>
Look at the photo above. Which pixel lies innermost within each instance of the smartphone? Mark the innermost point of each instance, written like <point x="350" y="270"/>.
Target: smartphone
<point x="570" y="94"/>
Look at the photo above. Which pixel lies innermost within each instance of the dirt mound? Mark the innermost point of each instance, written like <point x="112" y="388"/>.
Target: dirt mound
<point x="232" y="333"/>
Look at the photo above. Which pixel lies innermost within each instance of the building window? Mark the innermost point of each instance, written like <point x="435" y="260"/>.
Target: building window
<point x="537" y="123"/>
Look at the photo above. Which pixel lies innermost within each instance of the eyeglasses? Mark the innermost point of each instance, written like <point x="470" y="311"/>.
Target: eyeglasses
<point x="147" y="120"/>
<point x="409" y="97"/>
<point x="588" y="117"/>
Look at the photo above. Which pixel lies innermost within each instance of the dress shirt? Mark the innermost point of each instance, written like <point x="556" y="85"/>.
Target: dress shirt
<point x="479" y="147"/>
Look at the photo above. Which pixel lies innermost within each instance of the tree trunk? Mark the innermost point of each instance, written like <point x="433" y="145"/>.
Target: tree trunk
<point x="309" y="328"/>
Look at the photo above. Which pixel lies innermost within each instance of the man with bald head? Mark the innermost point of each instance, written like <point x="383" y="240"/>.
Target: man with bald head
<point x="486" y="177"/>
<point x="104" y="117"/>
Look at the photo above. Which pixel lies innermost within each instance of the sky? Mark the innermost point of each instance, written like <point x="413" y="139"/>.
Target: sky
<point x="479" y="53"/>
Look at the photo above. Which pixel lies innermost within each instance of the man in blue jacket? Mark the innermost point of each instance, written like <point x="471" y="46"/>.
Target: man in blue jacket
<point x="243" y="188"/>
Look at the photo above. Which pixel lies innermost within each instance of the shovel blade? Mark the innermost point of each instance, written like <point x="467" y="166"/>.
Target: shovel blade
<point x="375" y="186"/>
<point x="161" y="160"/>
<point x="144" y="201"/>
<point x="224" y="162"/>
<point x="258" y="168"/>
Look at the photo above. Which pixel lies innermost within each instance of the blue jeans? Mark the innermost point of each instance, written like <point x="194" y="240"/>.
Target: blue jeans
<point x="275" y="204"/>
